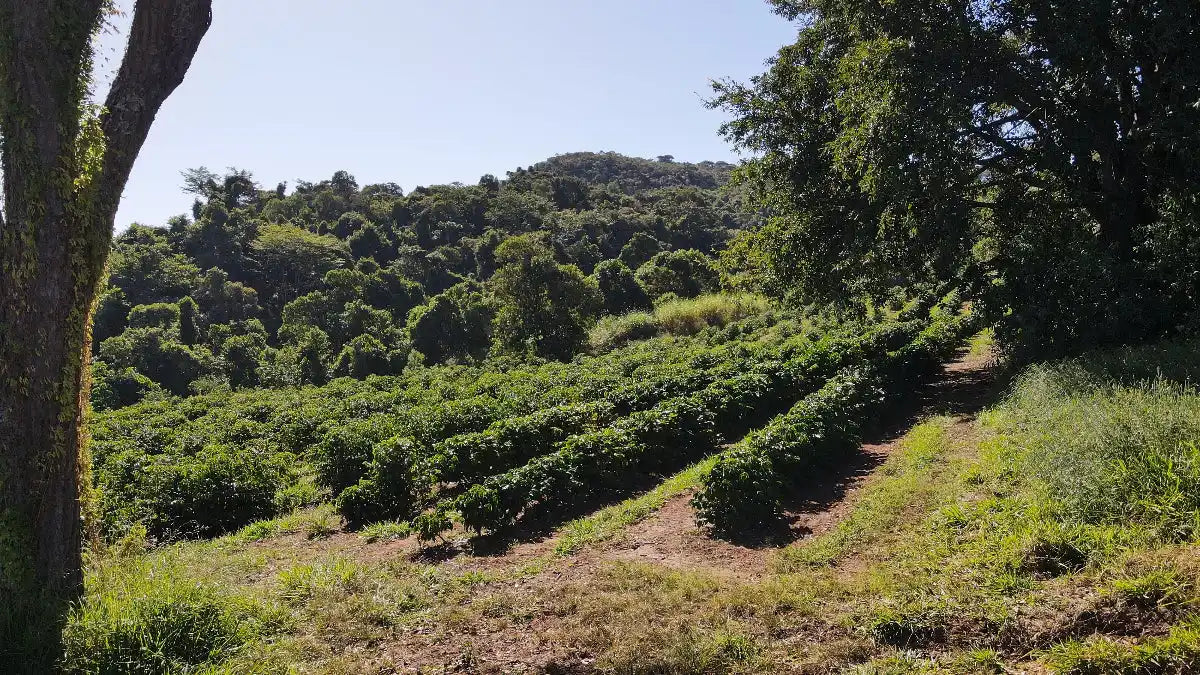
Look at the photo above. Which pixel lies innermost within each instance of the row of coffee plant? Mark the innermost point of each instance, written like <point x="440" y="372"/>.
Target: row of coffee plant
<point x="394" y="484"/>
<point x="203" y="465"/>
<point x="743" y="490"/>
<point x="606" y="461"/>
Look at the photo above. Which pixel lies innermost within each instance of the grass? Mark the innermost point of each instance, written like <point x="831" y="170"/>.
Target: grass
<point x="690" y="316"/>
<point x="910" y="484"/>
<point x="675" y="317"/>
<point x="1177" y="652"/>
<point x="143" y="617"/>
<point x="317" y="522"/>
<point x="607" y="522"/>
<point x="1055" y="533"/>
<point x="386" y="531"/>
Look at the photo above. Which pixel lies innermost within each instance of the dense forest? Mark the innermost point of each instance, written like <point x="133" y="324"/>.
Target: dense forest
<point x="909" y="389"/>
<point x="276" y="288"/>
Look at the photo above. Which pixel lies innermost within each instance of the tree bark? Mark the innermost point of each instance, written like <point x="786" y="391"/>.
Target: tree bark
<point x="64" y="172"/>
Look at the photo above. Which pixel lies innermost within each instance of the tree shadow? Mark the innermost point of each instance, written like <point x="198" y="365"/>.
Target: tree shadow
<point x="540" y="523"/>
<point x="958" y="389"/>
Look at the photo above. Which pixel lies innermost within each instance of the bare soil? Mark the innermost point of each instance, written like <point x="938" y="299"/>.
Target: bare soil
<point x="669" y="538"/>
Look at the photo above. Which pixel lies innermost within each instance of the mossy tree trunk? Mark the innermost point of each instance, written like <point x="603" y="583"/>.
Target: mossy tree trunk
<point x="65" y="164"/>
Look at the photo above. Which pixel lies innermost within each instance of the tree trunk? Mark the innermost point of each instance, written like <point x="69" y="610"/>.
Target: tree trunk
<point x="64" y="172"/>
<point x="43" y="349"/>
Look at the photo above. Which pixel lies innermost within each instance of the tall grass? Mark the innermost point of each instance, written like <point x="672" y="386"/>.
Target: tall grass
<point x="1110" y="446"/>
<point x="143" y="618"/>
<point x="676" y="317"/>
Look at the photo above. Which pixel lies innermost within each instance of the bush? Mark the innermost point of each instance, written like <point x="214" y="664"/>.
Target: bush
<point x="311" y="443"/>
<point x="742" y="490"/>
<point x="342" y="455"/>
<point x="388" y="492"/>
<point x="113" y="388"/>
<point x="666" y="436"/>
<point x="744" y="487"/>
<point x="514" y="441"/>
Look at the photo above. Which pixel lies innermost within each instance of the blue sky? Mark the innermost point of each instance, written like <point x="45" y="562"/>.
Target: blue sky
<point x="431" y="91"/>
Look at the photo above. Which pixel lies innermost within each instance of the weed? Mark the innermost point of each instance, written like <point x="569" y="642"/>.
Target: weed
<point x="385" y="531"/>
<point x="144" y="621"/>
<point x="1177" y="652"/>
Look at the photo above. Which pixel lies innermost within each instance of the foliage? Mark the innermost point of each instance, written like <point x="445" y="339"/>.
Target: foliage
<point x="379" y="272"/>
<point x="600" y="462"/>
<point x="112" y="388"/>
<point x="614" y="331"/>
<point x="216" y="490"/>
<point x="545" y="308"/>
<point x="684" y="273"/>
<point x="388" y="490"/>
<point x="150" y="625"/>
<point x="688" y="317"/>
<point x="745" y="485"/>
<point x="1036" y="154"/>
<point x="620" y="290"/>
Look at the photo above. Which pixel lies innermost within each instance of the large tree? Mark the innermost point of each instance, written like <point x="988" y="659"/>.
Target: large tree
<point x="65" y="165"/>
<point x="996" y="140"/>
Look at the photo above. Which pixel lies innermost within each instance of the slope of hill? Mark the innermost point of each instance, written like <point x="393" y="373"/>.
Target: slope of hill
<point x="1054" y="531"/>
<point x="280" y="288"/>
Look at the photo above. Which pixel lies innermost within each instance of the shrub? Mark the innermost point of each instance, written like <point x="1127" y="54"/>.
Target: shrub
<point x="342" y="455"/>
<point x="744" y="487"/>
<point x="514" y="441"/>
<point x="116" y="388"/>
<point x="672" y="432"/>
<point x="430" y="526"/>
<point x="388" y="490"/>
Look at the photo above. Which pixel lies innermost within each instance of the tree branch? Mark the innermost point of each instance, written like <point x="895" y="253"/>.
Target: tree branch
<point x="162" y="41"/>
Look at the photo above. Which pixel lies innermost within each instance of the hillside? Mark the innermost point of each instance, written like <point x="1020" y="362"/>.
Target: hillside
<point x="909" y="389"/>
<point x="981" y="527"/>
<point x="279" y="287"/>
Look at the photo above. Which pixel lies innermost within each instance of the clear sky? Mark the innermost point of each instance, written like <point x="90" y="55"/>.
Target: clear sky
<point x="420" y="92"/>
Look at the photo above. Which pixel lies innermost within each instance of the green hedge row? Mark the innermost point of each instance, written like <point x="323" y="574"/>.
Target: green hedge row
<point x="667" y="436"/>
<point x="744" y="488"/>
<point x="514" y="441"/>
<point x="362" y="464"/>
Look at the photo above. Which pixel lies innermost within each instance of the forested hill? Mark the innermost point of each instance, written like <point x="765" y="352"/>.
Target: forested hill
<point x="284" y="286"/>
<point x="633" y="175"/>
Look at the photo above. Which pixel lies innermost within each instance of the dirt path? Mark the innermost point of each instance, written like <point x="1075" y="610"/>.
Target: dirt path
<point x="671" y="537"/>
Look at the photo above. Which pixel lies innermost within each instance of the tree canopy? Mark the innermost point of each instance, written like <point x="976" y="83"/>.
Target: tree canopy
<point x="332" y="279"/>
<point x="1040" y="153"/>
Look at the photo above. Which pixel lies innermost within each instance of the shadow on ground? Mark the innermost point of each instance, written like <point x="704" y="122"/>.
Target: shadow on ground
<point x="964" y="387"/>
